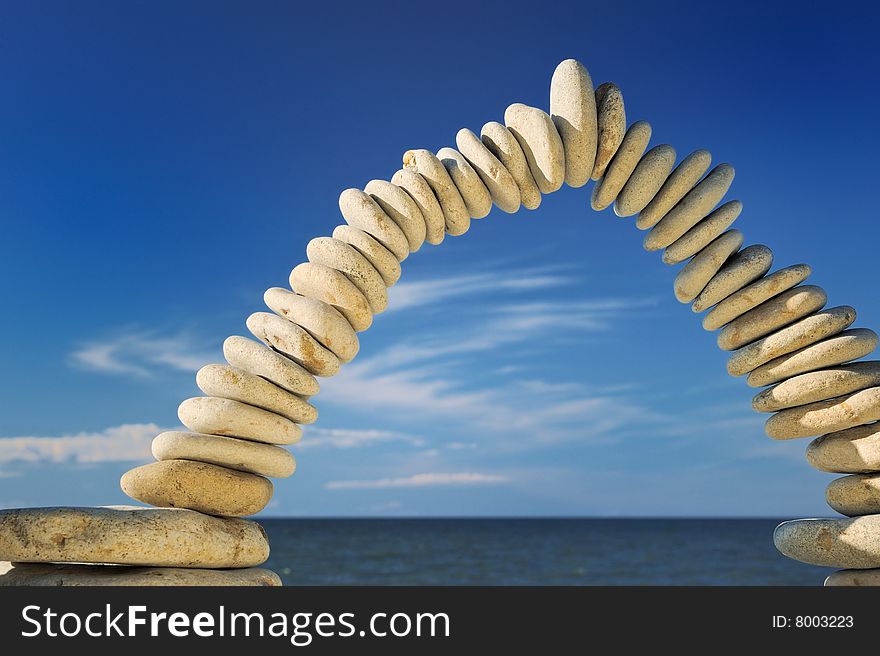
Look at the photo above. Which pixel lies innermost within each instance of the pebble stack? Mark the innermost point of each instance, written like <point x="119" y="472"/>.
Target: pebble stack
<point x="779" y="333"/>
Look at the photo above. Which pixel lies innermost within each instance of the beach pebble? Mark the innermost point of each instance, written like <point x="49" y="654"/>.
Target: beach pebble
<point x="293" y="341"/>
<point x="845" y="542"/>
<point x="501" y="185"/>
<point x="540" y="143"/>
<point x="401" y="208"/>
<point x="423" y="196"/>
<point x="207" y="414"/>
<point x="361" y="211"/>
<point x="696" y="239"/>
<point x="242" y="455"/>
<point x="848" y="345"/>
<point x="631" y="149"/>
<point x="772" y="315"/>
<point x="573" y="110"/>
<point x="260" y="360"/>
<point x="227" y="382"/>
<point x="331" y="286"/>
<point x="791" y="338"/>
<point x="854" y="577"/>
<point x="697" y="273"/>
<point x="610" y="125"/>
<point x="455" y="213"/>
<point x="474" y="193"/>
<point x="380" y="257"/>
<point x="691" y="209"/>
<point x="347" y="260"/>
<point x="198" y="486"/>
<point x="125" y="535"/>
<point x="501" y="143"/>
<point x="742" y="269"/>
<point x="685" y="176"/>
<point x="817" y="386"/>
<point x="852" y="451"/>
<point x="752" y="296"/>
<point x="649" y="176"/>
<point x="827" y="416"/>
<point x="857" y="494"/>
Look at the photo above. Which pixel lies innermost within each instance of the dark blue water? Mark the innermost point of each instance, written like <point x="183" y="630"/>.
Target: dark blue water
<point x="532" y="552"/>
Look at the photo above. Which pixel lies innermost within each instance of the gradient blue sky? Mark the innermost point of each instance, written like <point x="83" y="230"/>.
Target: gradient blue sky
<point x="163" y="163"/>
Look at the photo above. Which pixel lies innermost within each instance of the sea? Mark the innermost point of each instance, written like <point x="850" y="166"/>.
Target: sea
<point x="501" y="551"/>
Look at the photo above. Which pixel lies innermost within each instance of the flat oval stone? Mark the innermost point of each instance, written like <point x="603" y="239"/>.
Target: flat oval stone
<point x="207" y="414"/>
<point x="649" y="176"/>
<point x="423" y="196"/>
<point x="474" y="193"/>
<point x="852" y="451"/>
<point x="857" y="494"/>
<point x="198" y="486"/>
<point x="610" y="124"/>
<point x="848" y="345"/>
<point x="361" y="211"/>
<point x="573" y="110"/>
<point x="501" y="143"/>
<point x="124" y="535"/>
<point x="501" y="185"/>
<point x="540" y="143"/>
<point x="323" y="322"/>
<point x="293" y="341"/>
<point x="854" y="577"/>
<point x="702" y="234"/>
<point x="331" y="286"/>
<point x="791" y="338"/>
<point x="827" y="416"/>
<point x="50" y="574"/>
<point x="691" y="209"/>
<point x="742" y="269"/>
<point x="259" y="360"/>
<point x="848" y="542"/>
<point x="738" y="303"/>
<point x="685" y="176"/>
<point x="697" y="273"/>
<point x="770" y="316"/>
<point x="380" y="257"/>
<point x="242" y="455"/>
<point x="347" y="260"/>
<point x="401" y="208"/>
<point x="818" y="386"/>
<point x="455" y="213"/>
<point x="631" y="149"/>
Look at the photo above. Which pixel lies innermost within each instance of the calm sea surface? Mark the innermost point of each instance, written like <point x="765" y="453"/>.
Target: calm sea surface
<point x="532" y="552"/>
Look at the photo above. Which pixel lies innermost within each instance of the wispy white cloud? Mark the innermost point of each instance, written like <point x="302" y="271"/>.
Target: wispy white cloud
<point x="347" y="438"/>
<point x="128" y="442"/>
<point x="433" y="479"/>
<point x="140" y="354"/>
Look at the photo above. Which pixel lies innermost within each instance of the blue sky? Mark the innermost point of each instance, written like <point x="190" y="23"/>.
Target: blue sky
<point x="164" y="163"/>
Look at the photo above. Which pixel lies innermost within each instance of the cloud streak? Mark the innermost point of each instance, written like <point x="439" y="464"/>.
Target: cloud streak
<point x="140" y="354"/>
<point x="128" y="442"/>
<point x="432" y="479"/>
<point x="346" y="438"/>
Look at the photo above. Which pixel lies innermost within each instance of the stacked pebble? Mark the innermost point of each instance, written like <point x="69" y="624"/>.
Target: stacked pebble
<point x="776" y="328"/>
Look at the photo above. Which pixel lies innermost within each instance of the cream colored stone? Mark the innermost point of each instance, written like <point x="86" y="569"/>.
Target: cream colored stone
<point x="685" y="176"/>
<point x="845" y="542"/>
<point x="257" y="359"/>
<point x="573" y="110"/>
<point x="361" y="211"/>
<point x="851" y="451"/>
<point x="50" y="574"/>
<point x="848" y="345"/>
<point x="770" y="316"/>
<point x="207" y="414"/>
<point x="501" y="185"/>
<point x="854" y="577"/>
<point x="540" y="143"/>
<point x="331" y="286"/>
<point x="631" y="149"/>
<point x="455" y="212"/>
<point x="610" y="124"/>
<point x="752" y="296"/>
<point x="347" y="260"/>
<point x="791" y="338"/>
<point x="650" y="174"/>
<point x="125" y="535"/>
<point x="691" y="209"/>
<point x="857" y="494"/>
<point x="827" y="416"/>
<point x="227" y="382"/>
<point x="321" y="320"/>
<point x="474" y="193"/>
<point x="818" y="385"/>
<point x="380" y="257"/>
<point x="198" y="486"/>
<point x="744" y="268"/>
<point x="423" y="196"/>
<point x="702" y="234"/>
<point x="293" y="341"/>
<point x="697" y="273"/>
<point x="401" y="208"/>
<point x="501" y="143"/>
<point x="243" y="455"/>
